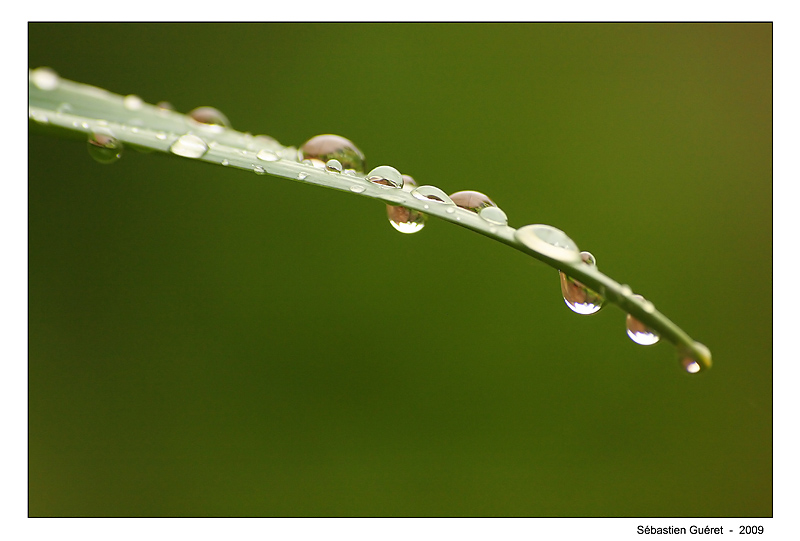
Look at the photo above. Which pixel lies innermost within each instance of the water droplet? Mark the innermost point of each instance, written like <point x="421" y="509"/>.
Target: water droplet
<point x="494" y="215"/>
<point x="409" y="183"/>
<point x="161" y="136"/>
<point x="104" y="148"/>
<point x="471" y="200"/>
<point x="263" y="140"/>
<point x="578" y="297"/>
<point x="450" y="210"/>
<point x="209" y="117"/>
<point x="694" y="362"/>
<point x="132" y="102"/>
<point x="45" y="78"/>
<point x="357" y="188"/>
<point x="333" y="165"/>
<point x="267" y="156"/>
<point x="301" y="175"/>
<point x="321" y="148"/>
<point x="386" y="176"/>
<point x="432" y="193"/>
<point x="225" y="162"/>
<point x="165" y="106"/>
<point x="638" y="331"/>
<point x="259" y="170"/>
<point x="64" y="108"/>
<point x="85" y="125"/>
<point x="38" y="116"/>
<point x="189" y="146"/>
<point x="549" y="241"/>
<point x="404" y="219"/>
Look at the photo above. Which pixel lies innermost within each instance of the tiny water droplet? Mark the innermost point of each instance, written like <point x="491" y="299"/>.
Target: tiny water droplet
<point x="472" y="200"/>
<point x="45" y="78"/>
<point x="695" y="362"/>
<point x="104" y="148"/>
<point x="433" y="194"/>
<point x="225" y="162"/>
<point x="189" y="146"/>
<point x="301" y="175"/>
<point x="357" y="188"/>
<point x="321" y="148"/>
<point x="494" y="215"/>
<point x="64" y="108"/>
<point x="267" y="156"/>
<point x="209" y="116"/>
<point x="259" y="170"/>
<point x="132" y="102"/>
<point x="386" y="176"/>
<point x="334" y="166"/>
<point x="426" y="206"/>
<point x="404" y="219"/>
<point x="639" y="332"/>
<point x="39" y="117"/>
<point x="165" y="106"/>
<point x="450" y="210"/>
<point x="161" y="136"/>
<point x="85" y="125"/>
<point x="549" y="241"/>
<point x="577" y="296"/>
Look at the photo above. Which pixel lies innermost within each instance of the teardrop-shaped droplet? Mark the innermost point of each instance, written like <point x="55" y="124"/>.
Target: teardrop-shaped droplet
<point x="132" y="102"/>
<point x="334" y="166"/>
<point x="695" y="361"/>
<point x="432" y="193"/>
<point x="578" y="297"/>
<point x="209" y="116"/>
<point x="472" y="200"/>
<point x="386" y="176"/>
<point x="267" y="156"/>
<point x="189" y="146"/>
<point x="494" y="215"/>
<point x="321" y="148"/>
<point x="404" y="219"/>
<point x="45" y="78"/>
<point x="104" y="148"/>
<point x="638" y="331"/>
<point x="259" y="170"/>
<point x="549" y="241"/>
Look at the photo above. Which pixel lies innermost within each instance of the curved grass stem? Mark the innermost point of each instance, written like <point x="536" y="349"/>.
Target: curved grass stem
<point x="82" y="110"/>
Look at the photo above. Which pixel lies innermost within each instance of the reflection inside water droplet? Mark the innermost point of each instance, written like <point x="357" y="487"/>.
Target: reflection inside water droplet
<point x="321" y="148"/>
<point x="472" y="200"/>
<point x="334" y="166"/>
<point x="209" y="117"/>
<point x="104" y="148"/>
<point x="404" y="219"/>
<point x="386" y="176"/>
<point x="694" y="361"/>
<point x="577" y="296"/>
<point x="433" y="194"/>
<point x="638" y="331"/>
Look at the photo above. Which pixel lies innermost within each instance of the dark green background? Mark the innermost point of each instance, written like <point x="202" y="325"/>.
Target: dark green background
<point x="204" y="341"/>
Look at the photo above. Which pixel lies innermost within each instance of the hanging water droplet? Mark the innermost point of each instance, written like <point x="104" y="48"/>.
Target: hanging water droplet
<point x="432" y="193"/>
<point x="225" y="163"/>
<point x="472" y="200"/>
<point x="578" y="297"/>
<point x="209" y="116"/>
<point x="189" y="146"/>
<point x="302" y="175"/>
<point x="334" y="166"/>
<point x="104" y="148"/>
<point x="404" y="219"/>
<point x="386" y="176"/>
<point x="259" y="170"/>
<point x="695" y="361"/>
<point x="45" y="78"/>
<point x="267" y="156"/>
<point x="549" y="241"/>
<point x="321" y="148"/>
<point x="357" y="188"/>
<point x="494" y="215"/>
<point x="132" y="102"/>
<point x="638" y="331"/>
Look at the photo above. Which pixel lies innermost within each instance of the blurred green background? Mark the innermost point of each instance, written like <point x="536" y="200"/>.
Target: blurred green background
<point x="205" y="341"/>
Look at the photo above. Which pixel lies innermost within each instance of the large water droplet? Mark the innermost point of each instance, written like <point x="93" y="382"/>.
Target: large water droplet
<point x="267" y="156"/>
<point x="549" y="241"/>
<point x="432" y="193"/>
<point x="210" y="117"/>
<point x="189" y="146"/>
<point x="578" y="297"/>
<point x="638" y="331"/>
<point x="132" y="102"/>
<point x="472" y="200"/>
<point x="45" y="78"/>
<point x="404" y="219"/>
<point x="386" y="176"/>
<point x="104" y="148"/>
<point x="321" y="148"/>
<point x="494" y="215"/>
